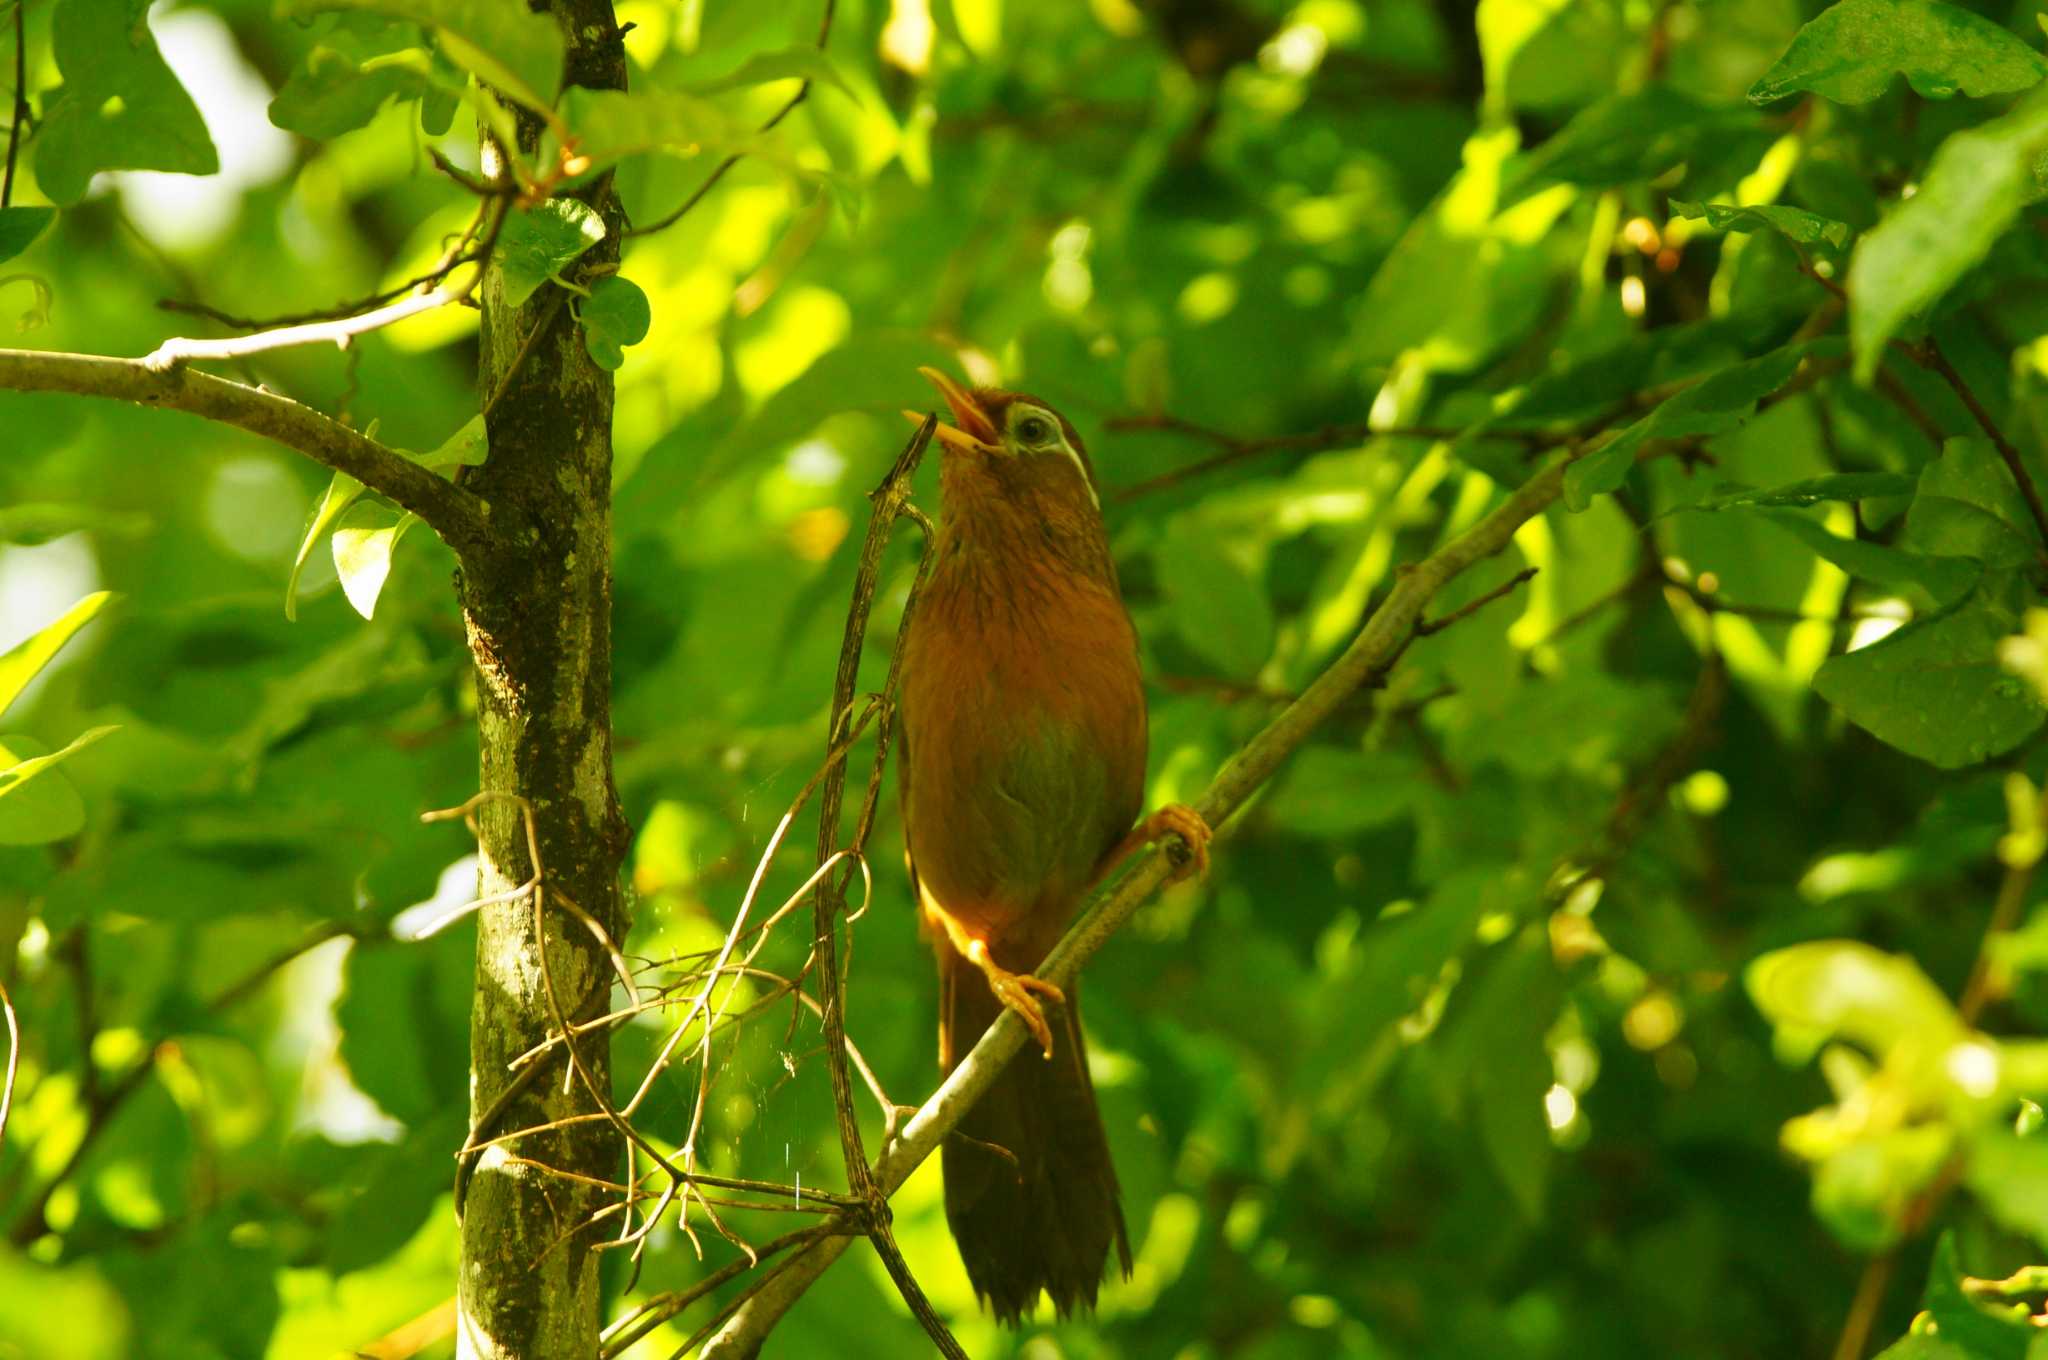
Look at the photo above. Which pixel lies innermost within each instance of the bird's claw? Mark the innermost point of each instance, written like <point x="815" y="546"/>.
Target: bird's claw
<point x="1015" y="991"/>
<point x="1178" y="819"/>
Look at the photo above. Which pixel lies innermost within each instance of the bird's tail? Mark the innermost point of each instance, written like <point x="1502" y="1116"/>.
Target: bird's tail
<point x="1030" y="1191"/>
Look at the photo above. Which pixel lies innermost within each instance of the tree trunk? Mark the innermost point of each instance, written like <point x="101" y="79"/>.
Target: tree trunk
<point x="539" y="623"/>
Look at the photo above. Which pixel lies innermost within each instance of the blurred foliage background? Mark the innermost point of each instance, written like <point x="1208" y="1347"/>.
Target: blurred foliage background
<point x="1487" y="1036"/>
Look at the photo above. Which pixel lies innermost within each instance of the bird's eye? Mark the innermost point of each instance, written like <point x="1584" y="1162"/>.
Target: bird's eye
<point x="1034" y="430"/>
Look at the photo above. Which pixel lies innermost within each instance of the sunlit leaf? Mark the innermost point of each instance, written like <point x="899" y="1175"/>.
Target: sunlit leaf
<point x="791" y="63"/>
<point x="1847" y="989"/>
<point x="511" y="48"/>
<point x="37" y="804"/>
<point x="1851" y="52"/>
<point x="120" y="107"/>
<point x="1973" y="190"/>
<point x="1794" y="224"/>
<point x="610" y="124"/>
<point x="538" y="243"/>
<point x="25" y="659"/>
<point x="362" y="557"/>
<point x="342" y="491"/>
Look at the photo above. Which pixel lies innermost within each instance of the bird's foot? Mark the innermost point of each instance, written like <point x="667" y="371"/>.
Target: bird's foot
<point x="1016" y="992"/>
<point x="1178" y="819"/>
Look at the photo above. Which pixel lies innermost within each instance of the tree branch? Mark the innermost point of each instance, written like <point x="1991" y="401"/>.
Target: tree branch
<point x="20" y="99"/>
<point x="1385" y="632"/>
<point x="829" y="898"/>
<point x="463" y="520"/>
<point x="1235" y="448"/>
<point x="339" y="333"/>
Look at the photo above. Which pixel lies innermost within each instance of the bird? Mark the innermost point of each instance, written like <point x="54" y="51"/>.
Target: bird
<point x="1023" y="720"/>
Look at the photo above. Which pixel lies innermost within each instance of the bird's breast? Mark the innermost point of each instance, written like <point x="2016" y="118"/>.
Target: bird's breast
<point x="1024" y="718"/>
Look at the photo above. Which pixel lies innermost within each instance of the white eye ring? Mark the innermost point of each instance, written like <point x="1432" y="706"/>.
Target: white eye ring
<point x="1035" y="430"/>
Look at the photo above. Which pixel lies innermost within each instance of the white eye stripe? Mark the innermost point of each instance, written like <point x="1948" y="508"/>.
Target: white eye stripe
<point x="1023" y="416"/>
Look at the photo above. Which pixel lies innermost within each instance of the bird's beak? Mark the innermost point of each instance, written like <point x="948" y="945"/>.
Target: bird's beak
<point x="974" y="432"/>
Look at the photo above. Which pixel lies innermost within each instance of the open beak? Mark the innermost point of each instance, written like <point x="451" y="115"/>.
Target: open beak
<point x="973" y="431"/>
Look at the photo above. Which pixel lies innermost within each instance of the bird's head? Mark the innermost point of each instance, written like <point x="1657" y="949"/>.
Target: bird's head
<point x="1012" y="432"/>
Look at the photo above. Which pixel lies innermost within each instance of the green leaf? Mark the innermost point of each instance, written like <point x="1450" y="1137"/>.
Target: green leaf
<point x="36" y="811"/>
<point x="1396" y="962"/>
<point x="502" y="44"/>
<point x="1973" y="190"/>
<point x="1840" y="486"/>
<point x="1794" y="224"/>
<point x="1329" y="791"/>
<point x="1215" y="605"/>
<point x="1713" y="406"/>
<point x="1853" y="49"/>
<point x="1940" y="580"/>
<point x="1983" y="1333"/>
<point x="362" y="557"/>
<point x="1935" y="688"/>
<point x="337" y="92"/>
<point x="1967" y="506"/>
<point x="1920" y="1346"/>
<point x="614" y="316"/>
<point x="19" y="228"/>
<point x="120" y="107"/>
<point x="469" y="446"/>
<point x="40" y="522"/>
<point x="791" y="63"/>
<point x="1627" y="138"/>
<point x="539" y="243"/>
<point x="401" y="1013"/>
<point x="1829" y="989"/>
<point x="342" y="491"/>
<point x="19" y="665"/>
<point x="2009" y="1174"/>
<point x="610" y="124"/>
<point x="1511" y="1068"/>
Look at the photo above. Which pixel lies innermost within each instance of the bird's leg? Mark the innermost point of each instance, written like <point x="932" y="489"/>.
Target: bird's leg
<point x="1014" y="990"/>
<point x="1175" y="819"/>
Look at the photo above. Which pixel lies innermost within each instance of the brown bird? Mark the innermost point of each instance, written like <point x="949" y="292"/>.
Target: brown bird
<point x="1023" y="768"/>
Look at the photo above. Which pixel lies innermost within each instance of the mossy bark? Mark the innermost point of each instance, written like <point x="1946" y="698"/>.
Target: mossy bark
<point x="538" y="614"/>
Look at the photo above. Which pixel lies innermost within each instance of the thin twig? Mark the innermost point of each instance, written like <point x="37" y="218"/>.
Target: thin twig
<point x="13" y="1060"/>
<point x="20" y="107"/>
<point x="1236" y="449"/>
<point x="454" y="257"/>
<point x="1929" y="356"/>
<point x="803" y="91"/>
<point x="617" y="1338"/>
<point x="829" y="898"/>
